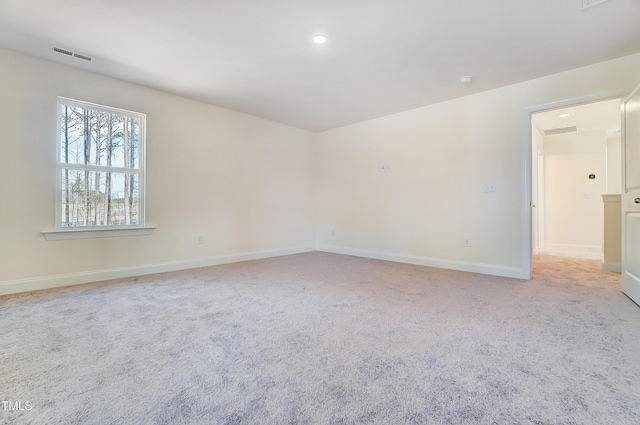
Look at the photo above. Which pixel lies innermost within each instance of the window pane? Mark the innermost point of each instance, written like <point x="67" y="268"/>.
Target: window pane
<point x="98" y="138"/>
<point x="92" y="198"/>
<point x="72" y="134"/>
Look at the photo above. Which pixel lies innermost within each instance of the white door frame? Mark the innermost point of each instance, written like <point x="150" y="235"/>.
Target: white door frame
<point x="529" y="173"/>
<point x="540" y="205"/>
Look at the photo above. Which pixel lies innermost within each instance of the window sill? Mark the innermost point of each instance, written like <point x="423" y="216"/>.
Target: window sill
<point x="59" y="235"/>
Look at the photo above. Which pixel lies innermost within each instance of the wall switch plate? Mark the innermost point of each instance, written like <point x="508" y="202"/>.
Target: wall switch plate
<point x="490" y="187"/>
<point x="386" y="168"/>
<point x="200" y="239"/>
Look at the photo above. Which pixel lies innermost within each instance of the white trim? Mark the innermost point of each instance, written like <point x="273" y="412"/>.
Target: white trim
<point x="541" y="206"/>
<point x="56" y="281"/>
<point x="526" y="201"/>
<point x="140" y="171"/>
<point x="101" y="168"/>
<point x="109" y="232"/>
<point x="575" y="251"/>
<point x="490" y="269"/>
<point x="99" y="107"/>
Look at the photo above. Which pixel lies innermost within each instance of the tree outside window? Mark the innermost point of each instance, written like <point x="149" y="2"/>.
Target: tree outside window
<point x="101" y="166"/>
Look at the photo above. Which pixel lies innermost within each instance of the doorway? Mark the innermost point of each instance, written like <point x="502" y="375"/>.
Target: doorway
<point x="575" y="159"/>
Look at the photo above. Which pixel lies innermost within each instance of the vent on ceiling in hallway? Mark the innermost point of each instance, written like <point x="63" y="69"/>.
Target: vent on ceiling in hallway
<point x="590" y="3"/>
<point x="72" y="54"/>
<point x="560" y="130"/>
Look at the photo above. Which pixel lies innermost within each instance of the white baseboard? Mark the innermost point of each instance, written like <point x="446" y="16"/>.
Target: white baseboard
<point x="47" y="282"/>
<point x="576" y="251"/>
<point x="490" y="269"/>
<point x="612" y="267"/>
<point x="56" y="281"/>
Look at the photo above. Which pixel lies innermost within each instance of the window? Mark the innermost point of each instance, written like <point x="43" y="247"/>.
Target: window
<point x="100" y="167"/>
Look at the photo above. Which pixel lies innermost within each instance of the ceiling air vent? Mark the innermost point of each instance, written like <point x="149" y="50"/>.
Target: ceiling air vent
<point x="560" y="130"/>
<point x="83" y="57"/>
<point x="63" y="51"/>
<point x="72" y="54"/>
<point x="589" y="3"/>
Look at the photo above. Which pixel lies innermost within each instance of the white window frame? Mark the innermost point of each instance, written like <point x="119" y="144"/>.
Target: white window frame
<point x="84" y="232"/>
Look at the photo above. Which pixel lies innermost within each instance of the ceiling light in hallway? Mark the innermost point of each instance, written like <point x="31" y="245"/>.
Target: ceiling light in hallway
<point x="319" y="39"/>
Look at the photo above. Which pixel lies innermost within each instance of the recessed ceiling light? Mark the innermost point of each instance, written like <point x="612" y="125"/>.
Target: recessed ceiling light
<point x="319" y="39"/>
<point x="564" y="115"/>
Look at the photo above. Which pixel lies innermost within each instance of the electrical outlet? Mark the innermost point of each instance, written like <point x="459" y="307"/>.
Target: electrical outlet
<point x="200" y="239"/>
<point x="386" y="168"/>
<point x="466" y="242"/>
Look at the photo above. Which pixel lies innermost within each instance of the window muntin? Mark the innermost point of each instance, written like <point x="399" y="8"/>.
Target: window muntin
<point x="100" y="167"/>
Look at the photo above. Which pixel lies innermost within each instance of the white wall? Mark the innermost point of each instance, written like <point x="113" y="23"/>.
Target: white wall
<point x="440" y="156"/>
<point x="574" y="211"/>
<point x="259" y="188"/>
<point x="243" y="182"/>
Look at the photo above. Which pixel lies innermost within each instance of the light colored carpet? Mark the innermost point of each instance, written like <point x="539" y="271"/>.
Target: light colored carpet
<point x="320" y="338"/>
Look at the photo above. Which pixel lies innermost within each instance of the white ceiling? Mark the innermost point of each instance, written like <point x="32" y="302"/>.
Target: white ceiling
<point x="382" y="57"/>
<point x="597" y="116"/>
